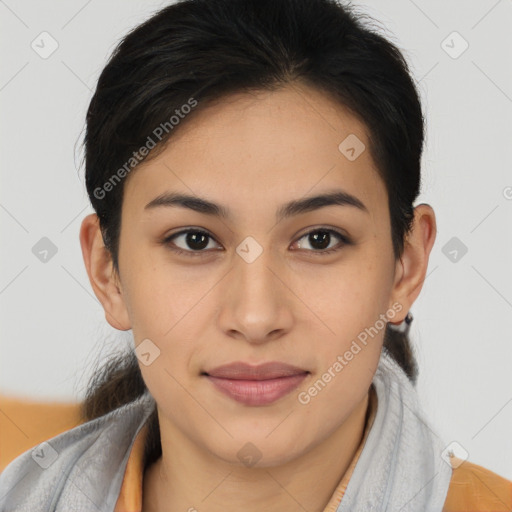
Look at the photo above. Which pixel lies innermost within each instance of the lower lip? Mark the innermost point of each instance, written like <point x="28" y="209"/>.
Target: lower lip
<point x="257" y="392"/>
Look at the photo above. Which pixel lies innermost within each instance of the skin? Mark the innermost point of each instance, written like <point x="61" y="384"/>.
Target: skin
<point x="253" y="153"/>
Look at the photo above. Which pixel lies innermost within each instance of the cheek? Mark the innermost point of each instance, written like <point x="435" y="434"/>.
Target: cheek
<point x="351" y="306"/>
<point x="348" y="296"/>
<point x="165" y="306"/>
<point x="157" y="296"/>
<point x="331" y="396"/>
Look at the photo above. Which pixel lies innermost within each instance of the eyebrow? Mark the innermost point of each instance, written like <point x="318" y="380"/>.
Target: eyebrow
<point x="295" y="207"/>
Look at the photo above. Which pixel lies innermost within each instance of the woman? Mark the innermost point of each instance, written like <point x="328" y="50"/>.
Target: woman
<point x="253" y="166"/>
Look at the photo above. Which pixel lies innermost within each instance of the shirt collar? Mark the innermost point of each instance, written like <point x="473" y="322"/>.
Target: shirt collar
<point x="130" y="496"/>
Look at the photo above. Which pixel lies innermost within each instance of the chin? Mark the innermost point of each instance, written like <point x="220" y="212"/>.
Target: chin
<point x="258" y="451"/>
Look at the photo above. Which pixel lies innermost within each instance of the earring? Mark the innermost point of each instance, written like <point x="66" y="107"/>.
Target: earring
<point x="403" y="326"/>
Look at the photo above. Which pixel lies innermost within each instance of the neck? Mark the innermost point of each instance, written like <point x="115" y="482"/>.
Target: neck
<point x="183" y="479"/>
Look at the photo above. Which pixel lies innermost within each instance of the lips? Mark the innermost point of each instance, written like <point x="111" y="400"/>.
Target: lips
<point x="265" y="371"/>
<point x="256" y="385"/>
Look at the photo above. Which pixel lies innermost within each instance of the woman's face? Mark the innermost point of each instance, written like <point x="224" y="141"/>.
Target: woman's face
<point x="258" y="288"/>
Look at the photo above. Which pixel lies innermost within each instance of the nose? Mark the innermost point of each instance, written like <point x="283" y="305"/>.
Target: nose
<point x="256" y="304"/>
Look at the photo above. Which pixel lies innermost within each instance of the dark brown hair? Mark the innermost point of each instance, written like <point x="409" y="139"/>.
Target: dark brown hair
<point x="206" y="50"/>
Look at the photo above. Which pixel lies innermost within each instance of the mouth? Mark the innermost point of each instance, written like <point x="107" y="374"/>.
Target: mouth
<point x="256" y="385"/>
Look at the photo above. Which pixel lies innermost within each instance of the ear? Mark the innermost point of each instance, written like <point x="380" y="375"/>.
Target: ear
<point x="102" y="275"/>
<point x="411" y="269"/>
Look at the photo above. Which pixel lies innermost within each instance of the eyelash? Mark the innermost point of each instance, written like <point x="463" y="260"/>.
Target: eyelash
<point x="168" y="242"/>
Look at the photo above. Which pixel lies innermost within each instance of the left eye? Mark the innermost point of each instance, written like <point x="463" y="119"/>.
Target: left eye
<point x="320" y="239"/>
<point x="198" y="241"/>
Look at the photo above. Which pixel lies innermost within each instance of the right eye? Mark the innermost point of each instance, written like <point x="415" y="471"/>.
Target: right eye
<point x="195" y="239"/>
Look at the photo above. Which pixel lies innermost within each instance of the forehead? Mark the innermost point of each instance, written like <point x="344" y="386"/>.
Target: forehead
<point x="263" y="146"/>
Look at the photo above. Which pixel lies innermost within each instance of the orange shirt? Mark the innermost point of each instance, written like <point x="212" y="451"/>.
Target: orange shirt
<point x="476" y="489"/>
<point x="25" y="423"/>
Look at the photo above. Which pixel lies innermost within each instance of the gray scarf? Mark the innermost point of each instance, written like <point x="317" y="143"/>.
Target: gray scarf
<point x="400" y="468"/>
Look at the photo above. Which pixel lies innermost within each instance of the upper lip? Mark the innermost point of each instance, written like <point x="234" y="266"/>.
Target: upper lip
<point x="245" y="371"/>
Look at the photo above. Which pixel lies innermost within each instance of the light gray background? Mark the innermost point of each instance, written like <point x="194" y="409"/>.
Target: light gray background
<point x="53" y="328"/>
